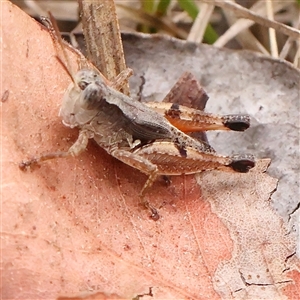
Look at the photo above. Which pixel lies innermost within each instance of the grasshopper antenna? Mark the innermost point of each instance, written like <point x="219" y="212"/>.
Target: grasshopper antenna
<point x="58" y="43"/>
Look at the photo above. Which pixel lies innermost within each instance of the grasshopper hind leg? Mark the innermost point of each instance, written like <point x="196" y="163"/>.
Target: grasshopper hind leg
<point x="154" y="213"/>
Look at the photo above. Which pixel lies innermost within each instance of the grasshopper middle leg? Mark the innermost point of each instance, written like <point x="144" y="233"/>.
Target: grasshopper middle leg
<point x="145" y="166"/>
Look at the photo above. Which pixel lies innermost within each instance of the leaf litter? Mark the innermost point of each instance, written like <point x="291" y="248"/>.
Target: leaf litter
<point x="97" y="237"/>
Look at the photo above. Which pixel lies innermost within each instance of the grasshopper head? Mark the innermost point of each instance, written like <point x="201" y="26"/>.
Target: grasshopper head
<point x="82" y="98"/>
<point x="93" y="89"/>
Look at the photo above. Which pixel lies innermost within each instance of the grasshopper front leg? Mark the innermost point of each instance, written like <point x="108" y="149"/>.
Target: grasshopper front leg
<point x="76" y="149"/>
<point x="131" y="159"/>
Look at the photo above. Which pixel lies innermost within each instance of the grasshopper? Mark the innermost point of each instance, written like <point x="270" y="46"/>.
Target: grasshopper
<point x="142" y="136"/>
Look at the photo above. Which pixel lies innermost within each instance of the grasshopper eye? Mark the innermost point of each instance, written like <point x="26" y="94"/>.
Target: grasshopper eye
<point x="92" y="97"/>
<point x="83" y="84"/>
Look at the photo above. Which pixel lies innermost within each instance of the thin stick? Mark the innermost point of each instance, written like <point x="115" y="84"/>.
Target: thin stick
<point x="272" y="32"/>
<point x="198" y="29"/>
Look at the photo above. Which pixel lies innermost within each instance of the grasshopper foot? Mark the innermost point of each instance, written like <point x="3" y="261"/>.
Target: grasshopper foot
<point x="154" y="213"/>
<point x="237" y="122"/>
<point x="37" y="160"/>
<point x="242" y="163"/>
<point x="167" y="180"/>
<point x="25" y="164"/>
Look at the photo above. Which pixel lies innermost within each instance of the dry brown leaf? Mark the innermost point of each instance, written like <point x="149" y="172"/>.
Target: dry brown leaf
<point x="261" y="246"/>
<point x="237" y="82"/>
<point x="74" y="225"/>
<point x="91" y="296"/>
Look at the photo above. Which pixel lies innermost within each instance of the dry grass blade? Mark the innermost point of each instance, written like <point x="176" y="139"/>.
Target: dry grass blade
<point x="287" y="46"/>
<point x="66" y="10"/>
<point x="34" y="6"/>
<point x="201" y="22"/>
<point x="272" y="33"/>
<point x="242" y="12"/>
<point x="297" y="58"/>
<point x="142" y="17"/>
<point x="238" y="28"/>
<point x="103" y="38"/>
